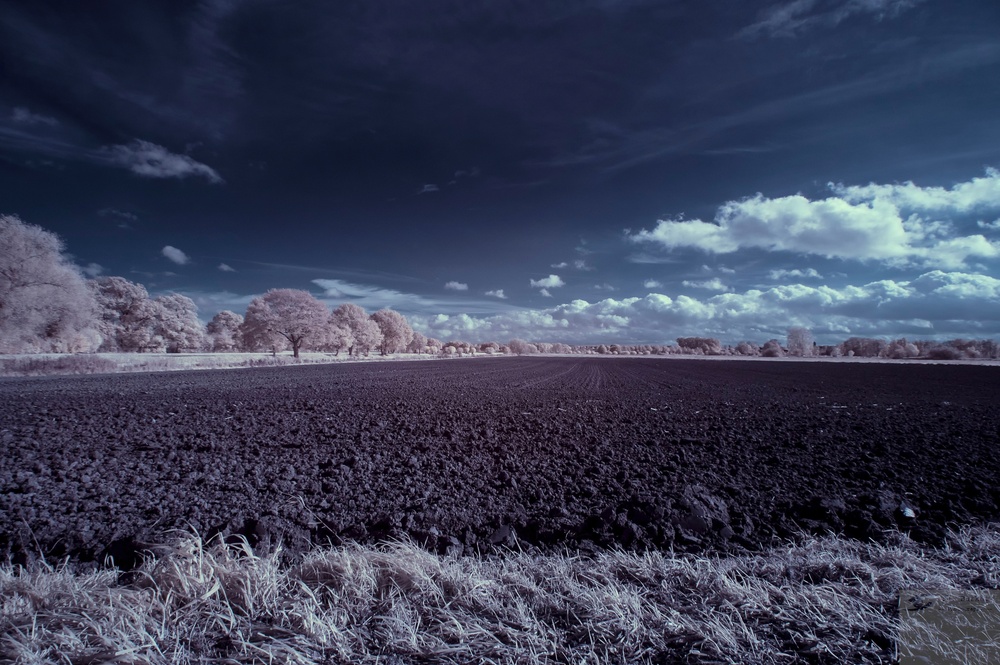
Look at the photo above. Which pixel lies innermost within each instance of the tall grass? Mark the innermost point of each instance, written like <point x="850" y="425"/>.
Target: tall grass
<point x="825" y="600"/>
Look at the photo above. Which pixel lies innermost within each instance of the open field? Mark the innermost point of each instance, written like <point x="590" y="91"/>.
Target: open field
<point x="662" y="510"/>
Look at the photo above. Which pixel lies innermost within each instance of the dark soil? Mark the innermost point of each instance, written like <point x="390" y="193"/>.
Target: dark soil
<point x="470" y="455"/>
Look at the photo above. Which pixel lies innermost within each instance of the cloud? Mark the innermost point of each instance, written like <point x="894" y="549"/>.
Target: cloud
<point x="934" y="304"/>
<point x="605" y="287"/>
<point x="225" y="267"/>
<point x="92" y="269"/>
<point x="175" y="255"/>
<point x="796" y="273"/>
<point x="23" y="116"/>
<point x="154" y="161"/>
<point x="561" y="264"/>
<point x="714" y="284"/>
<point x="427" y="189"/>
<point x="550" y="282"/>
<point x="793" y="18"/>
<point x="580" y="264"/>
<point x="456" y="286"/>
<point x="862" y="223"/>
<point x="546" y="293"/>
<point x="652" y="284"/>
<point x="376" y="297"/>
<point x="989" y="226"/>
<point x="497" y="293"/>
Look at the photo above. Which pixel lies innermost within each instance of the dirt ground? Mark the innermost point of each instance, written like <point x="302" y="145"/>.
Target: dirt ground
<point x="474" y="454"/>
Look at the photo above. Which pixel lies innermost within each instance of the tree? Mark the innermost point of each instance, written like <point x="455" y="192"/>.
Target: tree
<point x="44" y="301"/>
<point x="708" y="346"/>
<point x="224" y="332"/>
<point x="338" y="336"/>
<point x="365" y="333"/>
<point x="772" y="349"/>
<point x="285" y="314"/>
<point x="176" y="323"/>
<point x="520" y="347"/>
<point x="396" y="331"/>
<point x="126" y="315"/>
<point x="418" y="344"/>
<point x="800" y="342"/>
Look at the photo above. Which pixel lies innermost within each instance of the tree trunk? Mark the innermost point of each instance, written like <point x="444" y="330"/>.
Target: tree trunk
<point x="295" y="349"/>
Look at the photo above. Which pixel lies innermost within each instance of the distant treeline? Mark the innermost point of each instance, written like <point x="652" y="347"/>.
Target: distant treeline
<point x="46" y="305"/>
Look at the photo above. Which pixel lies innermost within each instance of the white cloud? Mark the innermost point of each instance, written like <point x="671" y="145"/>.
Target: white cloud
<point x="714" y="284"/>
<point x="225" y="267"/>
<point x="550" y="282"/>
<point x="864" y="223"/>
<point x="935" y="304"/>
<point x="792" y="18"/>
<point x="175" y="255"/>
<point x="23" y="116"/>
<point x="652" y="284"/>
<point x="580" y="264"/>
<point x="498" y="293"/>
<point x="561" y="264"/>
<point x="605" y="287"/>
<point x="989" y="226"/>
<point x="456" y="286"/>
<point x="154" y="161"/>
<point x="796" y="273"/>
<point x="427" y="189"/>
<point x="92" y="269"/>
<point x="375" y="297"/>
<point x="545" y="292"/>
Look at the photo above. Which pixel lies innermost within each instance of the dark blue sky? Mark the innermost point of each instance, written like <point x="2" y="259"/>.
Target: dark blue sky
<point x="617" y="170"/>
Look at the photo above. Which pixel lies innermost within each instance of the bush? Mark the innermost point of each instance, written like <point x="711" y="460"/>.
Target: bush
<point x="944" y="353"/>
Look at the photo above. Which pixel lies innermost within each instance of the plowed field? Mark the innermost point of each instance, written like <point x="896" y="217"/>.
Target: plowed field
<point x="466" y="455"/>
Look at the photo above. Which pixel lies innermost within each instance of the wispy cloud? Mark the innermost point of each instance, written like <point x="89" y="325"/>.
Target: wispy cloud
<point x="92" y="269"/>
<point x="429" y="188"/>
<point x="373" y="297"/>
<point x="791" y="19"/>
<point x="714" y="284"/>
<point x="175" y="255"/>
<point x="154" y="161"/>
<point x="456" y="286"/>
<point x="545" y="292"/>
<point x="225" y="267"/>
<point x="23" y="116"/>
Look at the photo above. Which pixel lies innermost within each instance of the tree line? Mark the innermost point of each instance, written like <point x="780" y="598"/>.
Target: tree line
<point x="46" y="305"/>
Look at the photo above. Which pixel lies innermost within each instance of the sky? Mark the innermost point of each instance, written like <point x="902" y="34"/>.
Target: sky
<point x="580" y="171"/>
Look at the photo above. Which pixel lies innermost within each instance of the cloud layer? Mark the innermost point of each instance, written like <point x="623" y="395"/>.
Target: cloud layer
<point x="859" y="223"/>
<point x="934" y="304"/>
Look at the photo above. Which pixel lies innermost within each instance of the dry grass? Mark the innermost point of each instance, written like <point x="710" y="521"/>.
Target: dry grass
<point x="824" y="600"/>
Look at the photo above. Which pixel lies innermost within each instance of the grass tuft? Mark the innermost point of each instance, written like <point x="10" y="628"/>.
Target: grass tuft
<point x="822" y="600"/>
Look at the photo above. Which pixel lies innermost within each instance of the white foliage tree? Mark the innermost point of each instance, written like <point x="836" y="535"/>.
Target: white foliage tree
<point x="418" y="344"/>
<point x="800" y="342"/>
<point x="285" y="316"/>
<point x="126" y="315"/>
<point x="365" y="333"/>
<point x="396" y="331"/>
<point x="521" y="347"/>
<point x="177" y="324"/>
<point x="338" y="336"/>
<point x="224" y="332"/>
<point x="44" y="301"/>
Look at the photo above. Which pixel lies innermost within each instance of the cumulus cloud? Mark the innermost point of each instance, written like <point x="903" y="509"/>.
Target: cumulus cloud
<point x="989" y="226"/>
<point x="860" y="223"/>
<point x="92" y="269"/>
<point x="789" y="19"/>
<point x="154" y="161"/>
<point x="175" y="255"/>
<point x="497" y="293"/>
<point x="23" y="116"/>
<point x="652" y="284"/>
<point x="934" y="304"/>
<point x="796" y="273"/>
<point x="225" y="267"/>
<point x="550" y="282"/>
<point x="456" y="286"/>
<point x="714" y="284"/>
